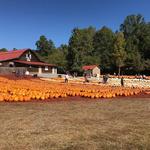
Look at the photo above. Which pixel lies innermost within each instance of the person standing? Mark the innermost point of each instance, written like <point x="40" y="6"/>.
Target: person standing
<point x="104" y="79"/>
<point x="85" y="78"/>
<point x="66" y="78"/>
<point x="122" y="81"/>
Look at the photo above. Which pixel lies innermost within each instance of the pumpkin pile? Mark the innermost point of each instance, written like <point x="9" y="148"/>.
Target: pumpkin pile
<point x="36" y="89"/>
<point x="130" y="77"/>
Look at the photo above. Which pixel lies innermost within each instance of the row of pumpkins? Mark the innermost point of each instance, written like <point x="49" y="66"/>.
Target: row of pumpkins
<point x="36" y="89"/>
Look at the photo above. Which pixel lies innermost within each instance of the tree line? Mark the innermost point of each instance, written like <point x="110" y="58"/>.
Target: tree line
<point x="126" y="51"/>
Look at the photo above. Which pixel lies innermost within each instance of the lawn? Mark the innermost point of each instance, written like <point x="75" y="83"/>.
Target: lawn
<point x="76" y="125"/>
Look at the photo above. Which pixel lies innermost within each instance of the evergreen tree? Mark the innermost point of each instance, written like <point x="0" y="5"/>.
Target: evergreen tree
<point x="44" y="46"/>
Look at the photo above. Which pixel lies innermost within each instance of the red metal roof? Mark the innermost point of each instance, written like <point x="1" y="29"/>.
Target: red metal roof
<point x="11" y="54"/>
<point x="34" y="63"/>
<point x="90" y="67"/>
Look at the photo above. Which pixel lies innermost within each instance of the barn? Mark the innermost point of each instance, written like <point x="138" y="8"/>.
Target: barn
<point x="93" y="70"/>
<point x="24" y="59"/>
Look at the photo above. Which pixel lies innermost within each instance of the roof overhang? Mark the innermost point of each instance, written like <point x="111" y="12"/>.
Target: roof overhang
<point x="33" y="63"/>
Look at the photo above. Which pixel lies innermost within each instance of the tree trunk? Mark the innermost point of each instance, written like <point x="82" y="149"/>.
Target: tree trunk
<point x="119" y="70"/>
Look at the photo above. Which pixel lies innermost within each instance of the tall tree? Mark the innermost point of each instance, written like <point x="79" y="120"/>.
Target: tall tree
<point x="132" y="28"/>
<point x="144" y="38"/>
<point x="132" y="25"/>
<point x="103" y="47"/>
<point x="137" y="35"/>
<point x="119" y="52"/>
<point x="80" y="45"/>
<point x="44" y="46"/>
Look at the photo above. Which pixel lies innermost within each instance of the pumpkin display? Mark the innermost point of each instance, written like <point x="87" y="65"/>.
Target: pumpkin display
<point x="35" y="89"/>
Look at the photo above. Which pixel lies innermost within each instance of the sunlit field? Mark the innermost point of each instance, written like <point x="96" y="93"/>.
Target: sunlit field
<point x="121" y="123"/>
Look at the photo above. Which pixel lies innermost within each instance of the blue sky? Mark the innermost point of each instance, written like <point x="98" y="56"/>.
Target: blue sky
<point x="23" y="21"/>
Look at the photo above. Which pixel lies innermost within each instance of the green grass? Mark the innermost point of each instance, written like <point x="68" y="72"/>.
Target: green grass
<point x="76" y="125"/>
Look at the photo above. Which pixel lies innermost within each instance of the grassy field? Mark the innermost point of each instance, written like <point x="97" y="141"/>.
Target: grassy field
<point x="76" y="125"/>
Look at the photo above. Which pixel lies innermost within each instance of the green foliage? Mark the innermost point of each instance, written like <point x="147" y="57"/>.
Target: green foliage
<point x="137" y="34"/>
<point x="103" y="47"/>
<point x="14" y="49"/>
<point x="58" y="56"/>
<point x="147" y="64"/>
<point x="119" y="53"/>
<point x="44" y="46"/>
<point x="3" y="50"/>
<point x="80" y="45"/>
<point x="89" y="60"/>
<point x="144" y="38"/>
<point x="128" y="49"/>
<point x="132" y="25"/>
